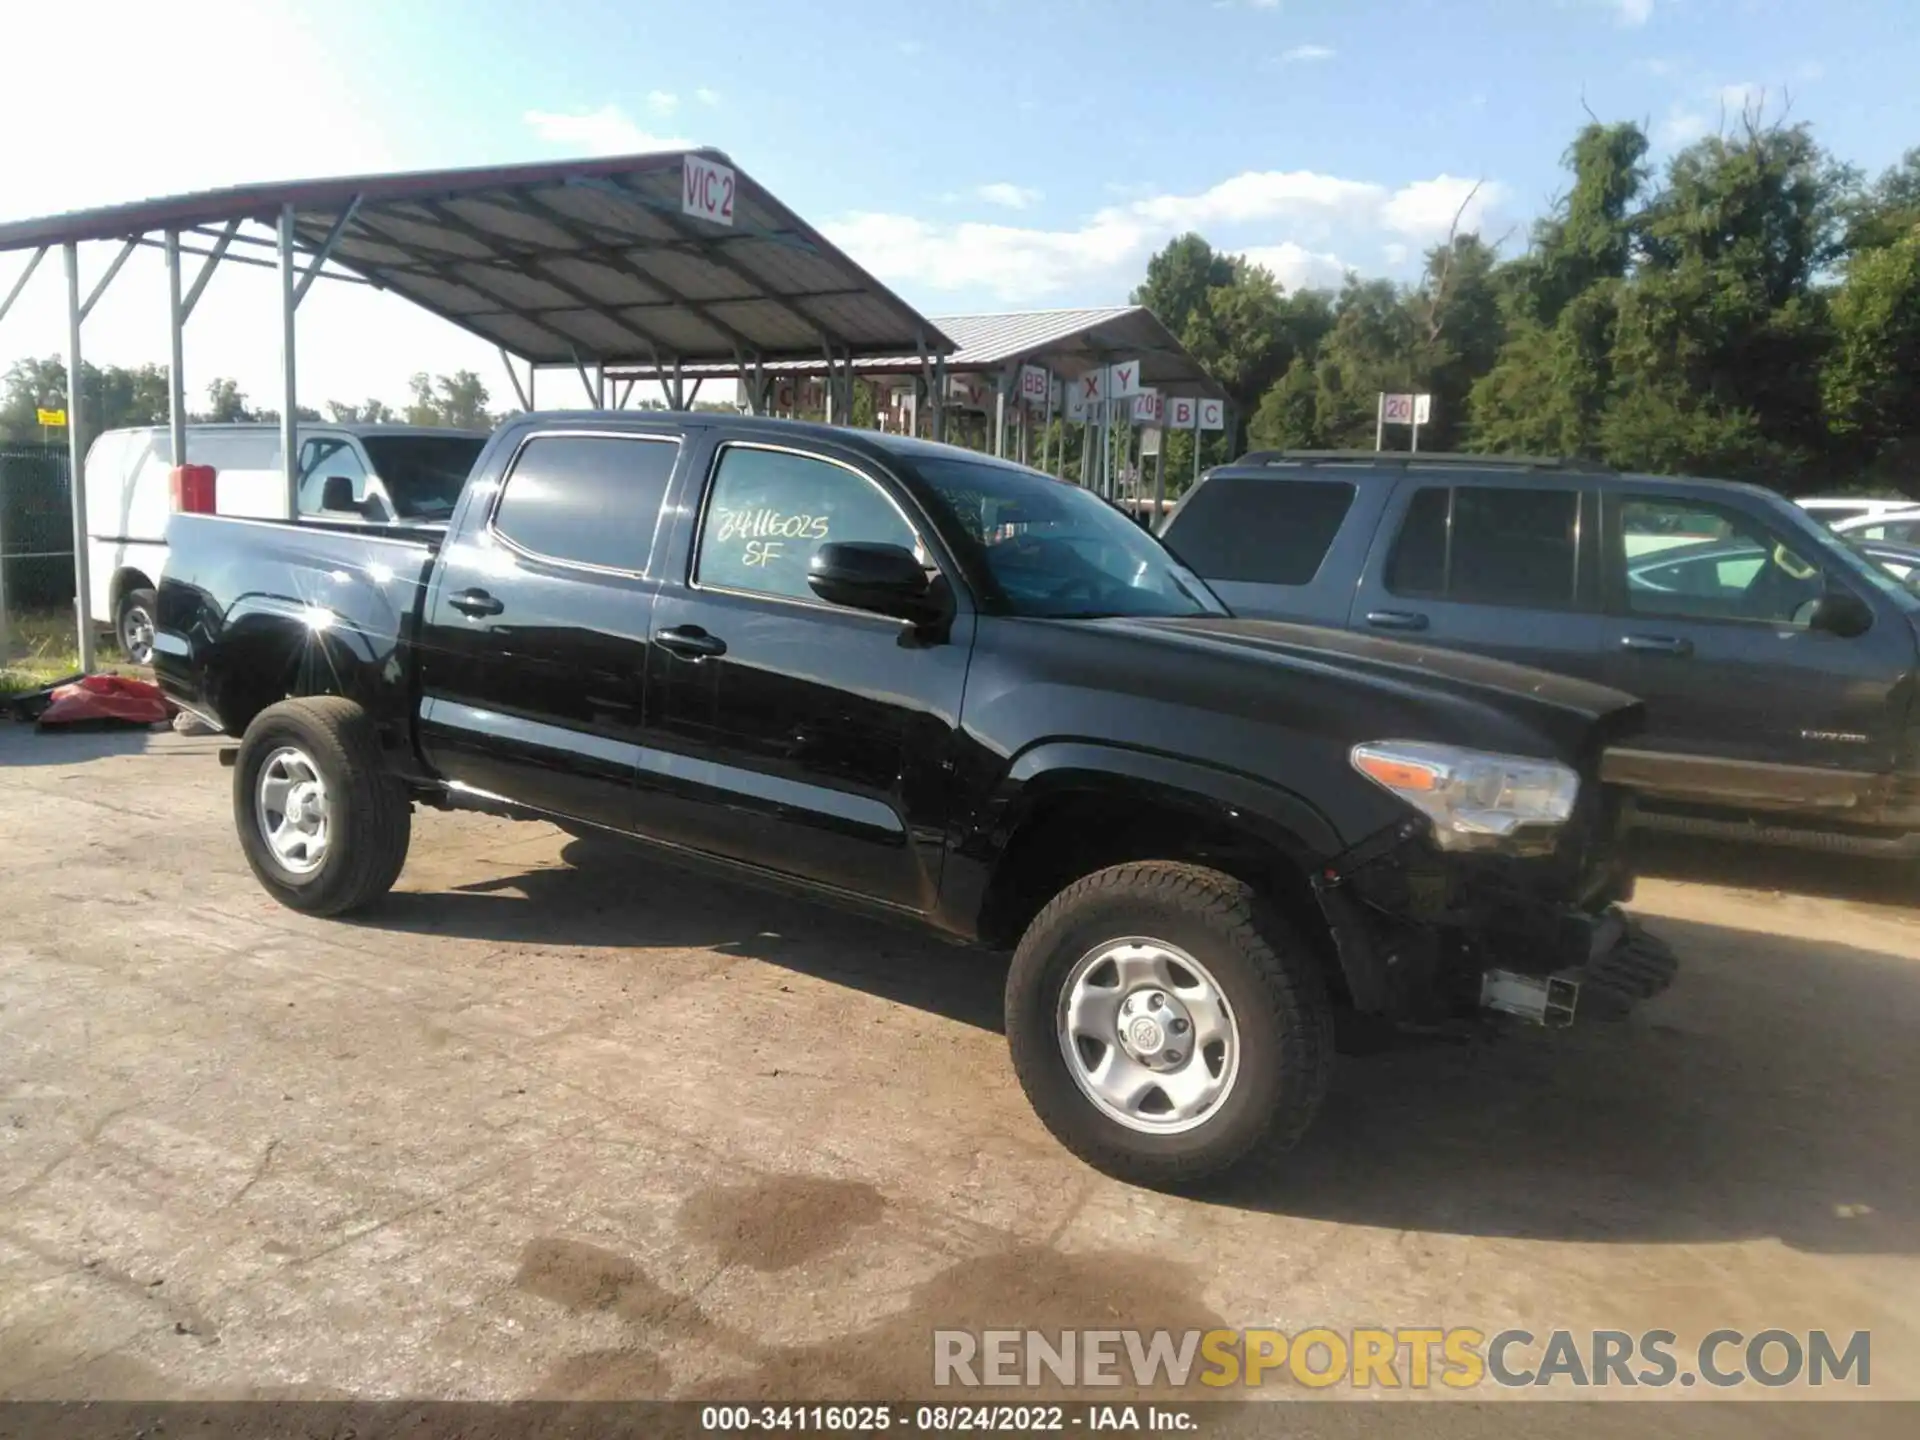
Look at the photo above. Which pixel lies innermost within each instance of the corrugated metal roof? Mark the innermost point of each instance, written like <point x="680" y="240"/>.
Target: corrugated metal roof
<point x="591" y="261"/>
<point x="1068" y="342"/>
<point x="995" y="339"/>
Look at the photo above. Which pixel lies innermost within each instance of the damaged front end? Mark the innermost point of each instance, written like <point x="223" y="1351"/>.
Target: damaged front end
<point x="1436" y="920"/>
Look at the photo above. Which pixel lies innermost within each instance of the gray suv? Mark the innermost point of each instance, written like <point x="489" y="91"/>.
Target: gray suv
<point x="1778" y="663"/>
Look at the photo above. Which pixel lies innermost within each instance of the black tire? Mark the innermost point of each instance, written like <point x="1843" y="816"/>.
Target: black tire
<point x="1270" y="978"/>
<point x="369" y="819"/>
<point x="132" y="617"/>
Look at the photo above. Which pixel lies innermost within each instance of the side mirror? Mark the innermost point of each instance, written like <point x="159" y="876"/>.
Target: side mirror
<point x="883" y="579"/>
<point x="1841" y="612"/>
<point x="336" y="493"/>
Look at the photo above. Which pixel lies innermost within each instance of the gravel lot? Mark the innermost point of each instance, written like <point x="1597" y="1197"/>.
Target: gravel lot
<point x="562" y="1120"/>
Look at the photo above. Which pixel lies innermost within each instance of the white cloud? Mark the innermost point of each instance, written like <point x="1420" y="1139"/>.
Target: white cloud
<point x="606" y="131"/>
<point x="1632" y="13"/>
<point x="1264" y="195"/>
<point x="1716" y="108"/>
<point x="1013" y="197"/>
<point x="1306" y="54"/>
<point x="1024" y="265"/>
<point x="706" y="96"/>
<point x="1297" y="267"/>
<point x="1426" y="209"/>
<point x="662" y="102"/>
<point x="1682" y="125"/>
<point x="1395" y="252"/>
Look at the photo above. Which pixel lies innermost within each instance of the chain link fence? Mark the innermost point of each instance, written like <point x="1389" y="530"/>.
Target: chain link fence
<point x="36" y="533"/>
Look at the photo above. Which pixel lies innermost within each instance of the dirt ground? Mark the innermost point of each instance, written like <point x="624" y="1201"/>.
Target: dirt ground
<point x="562" y="1120"/>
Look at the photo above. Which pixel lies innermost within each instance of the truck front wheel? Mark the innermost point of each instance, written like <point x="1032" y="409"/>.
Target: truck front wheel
<point x="324" y="824"/>
<point x="1166" y="1024"/>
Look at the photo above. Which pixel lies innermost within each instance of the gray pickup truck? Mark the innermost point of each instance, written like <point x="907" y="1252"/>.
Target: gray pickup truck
<point x="1777" y="662"/>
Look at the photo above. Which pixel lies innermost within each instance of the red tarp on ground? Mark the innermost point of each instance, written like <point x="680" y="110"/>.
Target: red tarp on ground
<point x="106" y="699"/>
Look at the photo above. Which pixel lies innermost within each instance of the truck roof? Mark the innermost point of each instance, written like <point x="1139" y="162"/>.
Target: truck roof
<point x="878" y="443"/>
<point x="1389" y="464"/>
<point x="346" y="427"/>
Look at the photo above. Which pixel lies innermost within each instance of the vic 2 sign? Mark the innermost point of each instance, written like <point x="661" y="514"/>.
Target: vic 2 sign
<point x="706" y="190"/>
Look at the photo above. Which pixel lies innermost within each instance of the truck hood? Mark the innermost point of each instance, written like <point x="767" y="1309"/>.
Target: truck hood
<point x="1577" y="717"/>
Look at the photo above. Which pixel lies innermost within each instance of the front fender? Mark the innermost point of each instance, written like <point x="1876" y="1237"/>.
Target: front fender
<point x="1268" y="813"/>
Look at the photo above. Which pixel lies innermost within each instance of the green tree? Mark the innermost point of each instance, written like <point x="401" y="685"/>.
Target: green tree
<point x="111" y="397"/>
<point x="458" y="400"/>
<point x="1724" y="325"/>
<point x="226" y="403"/>
<point x="370" y="412"/>
<point x="1871" y="379"/>
<point x="1548" y="384"/>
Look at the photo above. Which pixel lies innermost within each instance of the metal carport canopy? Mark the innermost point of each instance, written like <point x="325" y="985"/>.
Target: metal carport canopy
<point x="582" y="263"/>
<point x="562" y="263"/>
<point x="1071" y="342"/>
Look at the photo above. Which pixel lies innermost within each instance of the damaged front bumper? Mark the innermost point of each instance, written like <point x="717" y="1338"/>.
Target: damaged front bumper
<point x="1425" y="937"/>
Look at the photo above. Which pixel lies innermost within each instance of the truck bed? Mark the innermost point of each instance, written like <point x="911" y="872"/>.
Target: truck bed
<point x="350" y="595"/>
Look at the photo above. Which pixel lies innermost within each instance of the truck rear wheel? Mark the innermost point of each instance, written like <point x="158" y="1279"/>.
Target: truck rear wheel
<point x="324" y="825"/>
<point x="133" y="624"/>
<point x="1166" y="1025"/>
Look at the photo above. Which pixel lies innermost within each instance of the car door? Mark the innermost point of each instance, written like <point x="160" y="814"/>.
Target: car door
<point x="1280" y="547"/>
<point x="534" y="655"/>
<point x="785" y="732"/>
<point x="1497" y="565"/>
<point x="1707" y="622"/>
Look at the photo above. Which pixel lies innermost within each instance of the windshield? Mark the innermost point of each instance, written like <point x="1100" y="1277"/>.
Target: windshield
<point x="423" y="474"/>
<point x="1053" y="549"/>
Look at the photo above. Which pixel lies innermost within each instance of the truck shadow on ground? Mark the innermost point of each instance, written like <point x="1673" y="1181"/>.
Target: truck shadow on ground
<point x="1768" y="1094"/>
<point x="1772" y="867"/>
<point x="22" y="744"/>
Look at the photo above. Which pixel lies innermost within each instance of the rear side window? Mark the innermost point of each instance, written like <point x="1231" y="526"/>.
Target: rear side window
<point x="1268" y="532"/>
<point x="1488" y="545"/>
<point x="587" y="499"/>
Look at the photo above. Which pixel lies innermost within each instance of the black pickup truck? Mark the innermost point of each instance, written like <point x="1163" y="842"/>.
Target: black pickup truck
<point x="952" y="689"/>
<point x="1778" y="663"/>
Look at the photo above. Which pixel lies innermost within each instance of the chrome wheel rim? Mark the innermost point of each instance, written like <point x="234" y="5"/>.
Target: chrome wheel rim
<point x="136" y="635"/>
<point x="1148" y="1035"/>
<point x="290" y="802"/>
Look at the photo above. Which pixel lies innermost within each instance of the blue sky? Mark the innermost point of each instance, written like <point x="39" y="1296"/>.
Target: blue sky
<point x="977" y="154"/>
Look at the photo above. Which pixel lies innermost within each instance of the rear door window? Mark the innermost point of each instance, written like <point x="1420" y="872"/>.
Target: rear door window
<point x="1489" y="545"/>
<point x="1268" y="532"/>
<point x="587" y="499"/>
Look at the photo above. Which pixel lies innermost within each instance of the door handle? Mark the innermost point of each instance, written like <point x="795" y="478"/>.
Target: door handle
<point x="1657" y="644"/>
<point x="1396" y="620"/>
<point x="690" y="642"/>
<point x="475" y="602"/>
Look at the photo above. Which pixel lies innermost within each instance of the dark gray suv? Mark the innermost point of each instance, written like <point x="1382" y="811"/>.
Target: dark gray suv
<point x="1778" y="663"/>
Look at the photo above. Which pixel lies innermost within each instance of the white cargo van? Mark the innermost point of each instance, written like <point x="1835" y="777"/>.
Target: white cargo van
<point x="349" y="474"/>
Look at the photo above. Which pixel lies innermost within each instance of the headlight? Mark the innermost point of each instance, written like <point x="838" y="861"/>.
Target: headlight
<point x="1476" y="799"/>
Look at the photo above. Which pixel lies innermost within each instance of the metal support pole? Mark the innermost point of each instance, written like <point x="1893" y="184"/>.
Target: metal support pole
<point x="177" y="363"/>
<point x="1380" y="421"/>
<point x="1414" y="444"/>
<point x="1159" y="477"/>
<point x="6" y="625"/>
<point x="76" y="461"/>
<point x="1196" y="443"/>
<point x="21" y="283"/>
<point x="513" y="379"/>
<point x="1000" y="418"/>
<point x="940" y="399"/>
<point x="290" y="397"/>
